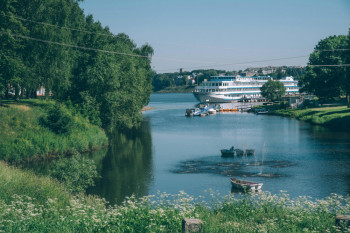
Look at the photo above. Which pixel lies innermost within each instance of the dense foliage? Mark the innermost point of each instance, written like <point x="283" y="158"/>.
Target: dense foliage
<point x="77" y="173"/>
<point x="52" y="44"/>
<point x="328" y="81"/>
<point x="273" y="90"/>
<point x="165" y="80"/>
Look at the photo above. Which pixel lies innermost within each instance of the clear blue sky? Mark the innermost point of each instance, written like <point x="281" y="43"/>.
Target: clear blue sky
<point x="207" y="34"/>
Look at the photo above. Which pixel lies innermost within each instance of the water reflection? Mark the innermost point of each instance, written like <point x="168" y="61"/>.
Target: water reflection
<point x="126" y="166"/>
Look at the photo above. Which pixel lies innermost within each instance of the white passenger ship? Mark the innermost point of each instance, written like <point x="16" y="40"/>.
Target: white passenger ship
<point x="226" y="89"/>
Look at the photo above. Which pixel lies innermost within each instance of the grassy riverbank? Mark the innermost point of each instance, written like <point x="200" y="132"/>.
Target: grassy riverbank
<point x="37" y="204"/>
<point x="334" y="117"/>
<point x="37" y="129"/>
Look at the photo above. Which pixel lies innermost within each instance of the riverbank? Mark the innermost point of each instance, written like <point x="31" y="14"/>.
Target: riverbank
<point x="337" y="117"/>
<point x="39" y="204"/>
<point x="37" y="129"/>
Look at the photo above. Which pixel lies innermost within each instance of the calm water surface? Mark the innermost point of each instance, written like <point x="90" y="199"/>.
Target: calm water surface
<point x="173" y="152"/>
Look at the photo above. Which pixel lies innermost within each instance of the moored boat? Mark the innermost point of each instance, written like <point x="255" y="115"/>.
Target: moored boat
<point x="245" y="185"/>
<point x="239" y="152"/>
<point x="211" y="111"/>
<point x="249" y="151"/>
<point x="228" y="152"/>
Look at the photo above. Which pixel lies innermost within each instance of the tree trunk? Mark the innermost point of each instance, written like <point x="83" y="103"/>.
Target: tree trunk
<point x="348" y="99"/>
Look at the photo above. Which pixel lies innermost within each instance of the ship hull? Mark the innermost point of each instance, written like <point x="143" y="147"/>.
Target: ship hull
<point x="211" y="98"/>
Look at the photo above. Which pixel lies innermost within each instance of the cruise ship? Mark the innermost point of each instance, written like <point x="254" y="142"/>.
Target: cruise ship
<point x="227" y="89"/>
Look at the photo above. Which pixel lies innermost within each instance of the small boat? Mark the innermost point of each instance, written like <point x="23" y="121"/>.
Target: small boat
<point x="262" y="112"/>
<point x="190" y="112"/>
<point x="249" y="151"/>
<point x="239" y="152"/>
<point x="211" y="111"/>
<point x="228" y="152"/>
<point x="245" y="185"/>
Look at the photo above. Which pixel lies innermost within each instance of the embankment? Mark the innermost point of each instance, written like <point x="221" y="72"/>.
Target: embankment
<point x="37" y="129"/>
<point x="333" y="117"/>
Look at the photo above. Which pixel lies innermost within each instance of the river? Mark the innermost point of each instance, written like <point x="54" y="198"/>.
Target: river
<point x="172" y="152"/>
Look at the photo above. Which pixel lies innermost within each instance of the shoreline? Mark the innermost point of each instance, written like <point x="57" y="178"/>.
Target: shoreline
<point x="336" y="118"/>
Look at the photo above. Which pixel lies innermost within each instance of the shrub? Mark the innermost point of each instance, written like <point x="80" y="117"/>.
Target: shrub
<point x="77" y="172"/>
<point x="58" y="120"/>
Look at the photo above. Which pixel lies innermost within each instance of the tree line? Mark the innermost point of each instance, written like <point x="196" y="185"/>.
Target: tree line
<point x="52" y="44"/>
<point x="164" y="80"/>
<point x="328" y="71"/>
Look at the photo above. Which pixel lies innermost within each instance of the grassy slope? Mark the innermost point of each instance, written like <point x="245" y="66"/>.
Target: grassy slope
<point x="334" y="117"/>
<point x="22" y="137"/>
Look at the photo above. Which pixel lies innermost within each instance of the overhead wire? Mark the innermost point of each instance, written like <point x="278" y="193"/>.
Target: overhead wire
<point x="154" y="57"/>
<point x="63" y="27"/>
<point x="72" y="46"/>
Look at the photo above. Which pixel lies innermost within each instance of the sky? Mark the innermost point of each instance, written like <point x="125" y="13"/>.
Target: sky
<point x="224" y="34"/>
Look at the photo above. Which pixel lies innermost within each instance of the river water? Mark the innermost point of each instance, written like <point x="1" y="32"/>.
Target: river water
<point x="172" y="152"/>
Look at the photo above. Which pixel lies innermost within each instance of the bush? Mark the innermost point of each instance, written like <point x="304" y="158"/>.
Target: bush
<point x="77" y="172"/>
<point x="58" y="120"/>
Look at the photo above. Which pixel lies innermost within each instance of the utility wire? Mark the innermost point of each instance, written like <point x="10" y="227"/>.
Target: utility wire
<point x="135" y="55"/>
<point x="241" y="63"/>
<point x="72" y="46"/>
<point x="329" y="65"/>
<point x="111" y="35"/>
<point x="63" y="27"/>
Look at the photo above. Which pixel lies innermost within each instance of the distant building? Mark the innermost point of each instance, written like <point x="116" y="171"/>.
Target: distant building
<point x="181" y="70"/>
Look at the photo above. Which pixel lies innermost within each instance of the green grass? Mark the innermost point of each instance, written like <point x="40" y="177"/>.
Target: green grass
<point x="163" y="213"/>
<point x="22" y="137"/>
<point x="30" y="203"/>
<point x="15" y="182"/>
<point x="334" y="117"/>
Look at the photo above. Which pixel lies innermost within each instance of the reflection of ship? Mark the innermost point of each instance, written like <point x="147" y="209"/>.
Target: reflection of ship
<point x="245" y="185"/>
<point x="221" y="89"/>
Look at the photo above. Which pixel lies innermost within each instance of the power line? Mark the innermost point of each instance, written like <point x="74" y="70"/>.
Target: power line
<point x="330" y="50"/>
<point x="133" y="55"/>
<point x="329" y="65"/>
<point x="63" y="27"/>
<point x="241" y="63"/>
<point x="111" y="35"/>
<point x="72" y="46"/>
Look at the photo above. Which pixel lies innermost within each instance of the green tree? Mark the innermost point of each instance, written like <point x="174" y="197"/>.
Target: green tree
<point x="347" y="77"/>
<point x="273" y="90"/>
<point x="279" y="73"/>
<point x="327" y="82"/>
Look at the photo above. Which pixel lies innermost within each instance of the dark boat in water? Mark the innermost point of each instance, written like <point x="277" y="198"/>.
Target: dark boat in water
<point x="228" y="152"/>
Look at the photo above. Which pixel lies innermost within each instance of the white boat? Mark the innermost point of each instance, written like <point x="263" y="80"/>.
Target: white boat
<point x="245" y="185"/>
<point x="211" y="111"/>
<point x="227" y="89"/>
